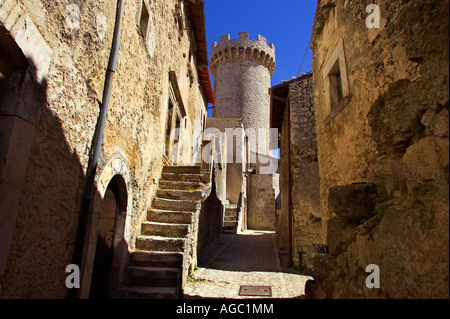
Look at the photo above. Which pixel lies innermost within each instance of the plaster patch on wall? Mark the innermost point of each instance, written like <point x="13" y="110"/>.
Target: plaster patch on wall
<point x="73" y="19"/>
<point x="102" y="26"/>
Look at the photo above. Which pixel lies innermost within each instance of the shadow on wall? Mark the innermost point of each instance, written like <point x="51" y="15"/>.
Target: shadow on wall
<point x="41" y="184"/>
<point x="210" y="219"/>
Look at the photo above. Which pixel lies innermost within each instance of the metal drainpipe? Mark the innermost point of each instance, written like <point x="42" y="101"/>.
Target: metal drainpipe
<point x="86" y="209"/>
<point x="290" y="217"/>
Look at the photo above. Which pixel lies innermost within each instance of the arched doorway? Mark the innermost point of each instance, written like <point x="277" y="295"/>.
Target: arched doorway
<point x="109" y="237"/>
<point x="21" y="105"/>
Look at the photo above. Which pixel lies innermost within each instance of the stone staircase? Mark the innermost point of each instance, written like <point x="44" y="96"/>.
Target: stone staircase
<point x="230" y="219"/>
<point x="165" y="250"/>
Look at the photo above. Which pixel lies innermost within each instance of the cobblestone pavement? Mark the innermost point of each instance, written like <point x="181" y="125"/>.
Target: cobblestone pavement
<point x="247" y="258"/>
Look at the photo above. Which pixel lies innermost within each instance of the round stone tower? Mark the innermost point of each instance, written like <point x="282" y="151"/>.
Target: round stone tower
<point x="242" y="69"/>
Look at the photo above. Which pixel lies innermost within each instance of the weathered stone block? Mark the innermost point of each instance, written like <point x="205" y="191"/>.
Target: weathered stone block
<point x="321" y="266"/>
<point x="339" y="234"/>
<point x="437" y="123"/>
<point x="314" y="288"/>
<point x="420" y="168"/>
<point x="351" y="202"/>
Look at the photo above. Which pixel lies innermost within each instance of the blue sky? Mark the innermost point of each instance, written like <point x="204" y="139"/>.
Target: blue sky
<point x="286" y="23"/>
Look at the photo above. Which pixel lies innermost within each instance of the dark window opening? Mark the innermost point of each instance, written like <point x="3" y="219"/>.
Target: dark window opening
<point x="339" y="86"/>
<point x="5" y="70"/>
<point x="145" y="18"/>
<point x="204" y="122"/>
<point x="177" y="130"/>
<point x="336" y="90"/>
<point x="169" y="128"/>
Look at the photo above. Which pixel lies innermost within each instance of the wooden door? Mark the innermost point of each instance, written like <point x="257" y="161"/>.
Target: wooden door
<point x="105" y="246"/>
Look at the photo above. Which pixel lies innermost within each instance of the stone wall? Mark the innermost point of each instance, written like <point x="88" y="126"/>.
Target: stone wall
<point x="283" y="220"/>
<point x="388" y="131"/>
<point x="70" y="56"/>
<point x="305" y="173"/>
<point x="300" y="211"/>
<point x="261" y="202"/>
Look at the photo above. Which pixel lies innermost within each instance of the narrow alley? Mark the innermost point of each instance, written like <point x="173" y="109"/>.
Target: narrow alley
<point x="244" y="259"/>
<point x="207" y="149"/>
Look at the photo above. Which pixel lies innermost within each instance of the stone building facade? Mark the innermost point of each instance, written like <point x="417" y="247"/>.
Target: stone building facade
<point x="53" y="61"/>
<point x="299" y="225"/>
<point x="242" y="69"/>
<point x="381" y="96"/>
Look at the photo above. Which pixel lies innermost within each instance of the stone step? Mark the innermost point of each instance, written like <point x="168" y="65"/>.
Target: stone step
<point x="175" y="204"/>
<point x="182" y="185"/>
<point x="231" y="214"/>
<point x="182" y="169"/>
<point x="227" y="219"/>
<point x="182" y="194"/>
<point x="183" y="177"/>
<point x="165" y="229"/>
<point x="137" y="292"/>
<point x="156" y="259"/>
<point x="154" y="276"/>
<point x="229" y="230"/>
<point x="157" y="243"/>
<point x="230" y="224"/>
<point x="169" y="216"/>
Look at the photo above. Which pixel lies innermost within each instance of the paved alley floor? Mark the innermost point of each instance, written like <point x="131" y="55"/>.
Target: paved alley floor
<point x="247" y="258"/>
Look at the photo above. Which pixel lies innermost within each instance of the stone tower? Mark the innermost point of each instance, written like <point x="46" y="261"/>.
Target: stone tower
<point x="242" y="69"/>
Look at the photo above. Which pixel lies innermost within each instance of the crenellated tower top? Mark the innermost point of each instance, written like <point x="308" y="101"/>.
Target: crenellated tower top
<point x="243" y="49"/>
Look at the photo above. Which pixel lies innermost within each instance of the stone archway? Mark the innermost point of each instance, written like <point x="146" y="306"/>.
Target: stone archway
<point x="109" y="239"/>
<point x="22" y="94"/>
<point x="107" y="251"/>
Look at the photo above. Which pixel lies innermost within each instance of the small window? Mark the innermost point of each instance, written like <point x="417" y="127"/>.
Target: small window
<point x="144" y="20"/>
<point x="179" y="18"/>
<point x="336" y="91"/>
<point x="335" y="75"/>
<point x="169" y="127"/>
<point x="204" y="121"/>
<point x="180" y="24"/>
<point x="176" y="118"/>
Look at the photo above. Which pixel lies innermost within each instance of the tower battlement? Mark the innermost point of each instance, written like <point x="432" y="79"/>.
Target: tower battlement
<point x="243" y="49"/>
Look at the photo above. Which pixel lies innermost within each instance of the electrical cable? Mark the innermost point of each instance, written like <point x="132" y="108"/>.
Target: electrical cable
<point x="304" y="57"/>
